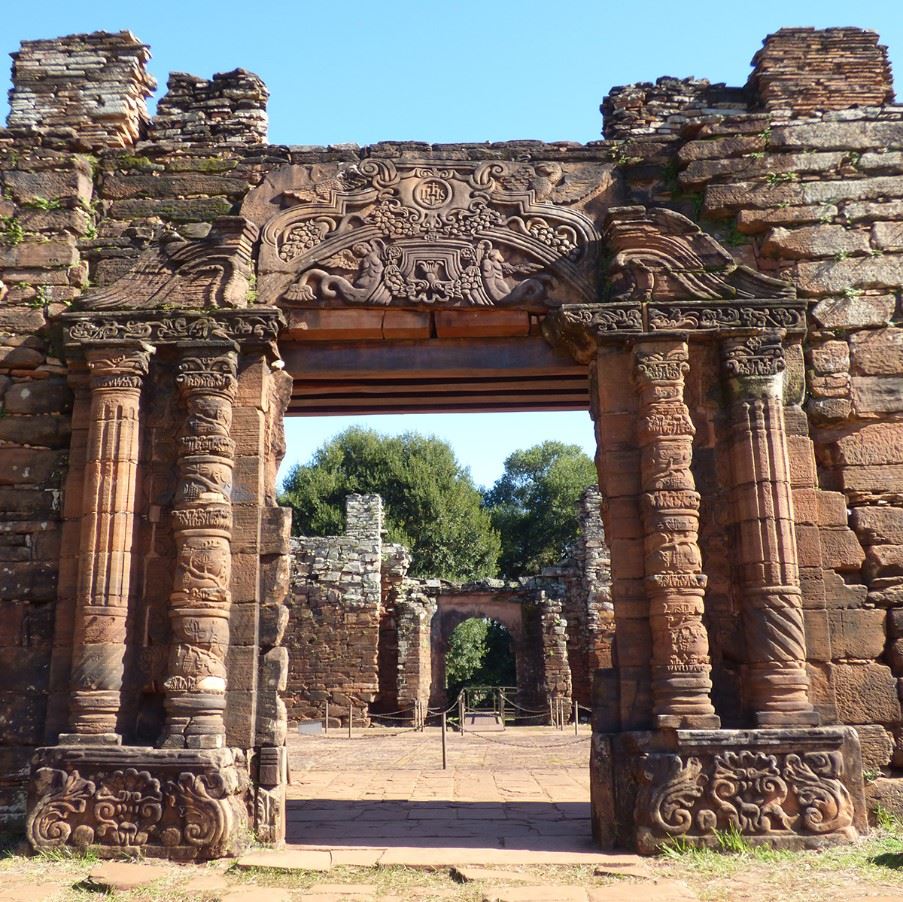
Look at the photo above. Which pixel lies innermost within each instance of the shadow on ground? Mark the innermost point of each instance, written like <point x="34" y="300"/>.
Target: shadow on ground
<point x="436" y="824"/>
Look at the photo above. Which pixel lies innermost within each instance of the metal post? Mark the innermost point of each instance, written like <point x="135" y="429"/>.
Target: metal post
<point x="551" y="711"/>
<point x="326" y="720"/>
<point x="350" y="719"/>
<point x="576" y="717"/>
<point x="444" y="747"/>
<point x="461" y="706"/>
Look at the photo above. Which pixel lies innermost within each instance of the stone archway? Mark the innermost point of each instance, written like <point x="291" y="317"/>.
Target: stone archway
<point x="452" y="611"/>
<point x="399" y="258"/>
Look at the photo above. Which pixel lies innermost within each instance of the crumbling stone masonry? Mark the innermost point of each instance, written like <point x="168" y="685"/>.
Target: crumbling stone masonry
<point x="336" y="611"/>
<point x="381" y="637"/>
<point x="718" y="281"/>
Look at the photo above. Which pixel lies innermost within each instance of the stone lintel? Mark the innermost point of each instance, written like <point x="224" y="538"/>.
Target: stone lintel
<point x="182" y="804"/>
<point x="580" y="328"/>
<point x="792" y="788"/>
<point x="251" y="326"/>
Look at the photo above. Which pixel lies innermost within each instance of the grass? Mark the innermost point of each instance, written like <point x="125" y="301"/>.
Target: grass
<point x="732" y="870"/>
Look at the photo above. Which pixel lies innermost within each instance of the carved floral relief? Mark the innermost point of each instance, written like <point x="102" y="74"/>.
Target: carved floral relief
<point x="444" y="234"/>
<point x="752" y="791"/>
<point x="128" y="809"/>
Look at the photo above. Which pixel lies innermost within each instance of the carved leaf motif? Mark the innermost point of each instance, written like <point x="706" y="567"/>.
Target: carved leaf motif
<point x="825" y="803"/>
<point x="128" y="805"/>
<point x="61" y="795"/>
<point x="748" y="787"/>
<point x="670" y="792"/>
<point x="202" y="805"/>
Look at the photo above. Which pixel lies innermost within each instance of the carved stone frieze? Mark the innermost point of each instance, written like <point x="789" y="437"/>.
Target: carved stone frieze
<point x="579" y="328"/>
<point x="709" y="317"/>
<point x="258" y="327"/>
<point x="181" y="805"/>
<point x="662" y="256"/>
<point x="790" y="788"/>
<point x="428" y="233"/>
<point x="186" y="275"/>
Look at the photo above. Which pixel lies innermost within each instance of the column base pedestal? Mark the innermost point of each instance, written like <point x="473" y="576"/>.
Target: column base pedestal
<point x="793" y="788"/>
<point x="182" y="804"/>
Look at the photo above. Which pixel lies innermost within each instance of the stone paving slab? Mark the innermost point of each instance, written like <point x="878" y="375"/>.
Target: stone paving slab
<point x="523" y="799"/>
<point x="123" y="876"/>
<point x="287" y="860"/>
<point x="660" y="891"/>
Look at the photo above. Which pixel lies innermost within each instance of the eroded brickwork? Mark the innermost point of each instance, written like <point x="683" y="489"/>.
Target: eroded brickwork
<point x="336" y="607"/>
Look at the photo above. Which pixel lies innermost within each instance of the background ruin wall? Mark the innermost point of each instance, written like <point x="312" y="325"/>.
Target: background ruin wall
<point x="799" y="173"/>
<point x="363" y="633"/>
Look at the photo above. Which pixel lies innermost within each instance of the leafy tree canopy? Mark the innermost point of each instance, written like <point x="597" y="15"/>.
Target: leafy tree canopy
<point x="479" y="654"/>
<point x="431" y="504"/>
<point x="532" y="504"/>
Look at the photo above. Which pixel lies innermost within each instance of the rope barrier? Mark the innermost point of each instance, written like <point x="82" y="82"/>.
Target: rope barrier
<point x="520" y="745"/>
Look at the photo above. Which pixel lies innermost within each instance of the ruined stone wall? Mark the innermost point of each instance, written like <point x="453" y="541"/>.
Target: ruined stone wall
<point x="335" y="614"/>
<point x="584" y="581"/>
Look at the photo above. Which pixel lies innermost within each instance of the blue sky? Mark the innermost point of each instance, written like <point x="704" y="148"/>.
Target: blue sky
<point x="457" y="70"/>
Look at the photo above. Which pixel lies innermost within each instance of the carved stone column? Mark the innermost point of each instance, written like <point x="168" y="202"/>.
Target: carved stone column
<point x="766" y="550"/>
<point x="117" y="370"/>
<point x="675" y="584"/>
<point x="202" y="528"/>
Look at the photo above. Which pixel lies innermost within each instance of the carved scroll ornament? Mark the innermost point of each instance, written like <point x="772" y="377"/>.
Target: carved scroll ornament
<point x="753" y="792"/>
<point x="186" y="275"/>
<point x="129" y="809"/>
<point x="260" y="326"/>
<point x="446" y="234"/>
<point x="663" y="256"/>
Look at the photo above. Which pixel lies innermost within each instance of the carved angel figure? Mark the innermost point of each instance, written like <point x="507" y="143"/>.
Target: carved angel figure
<point x="494" y="270"/>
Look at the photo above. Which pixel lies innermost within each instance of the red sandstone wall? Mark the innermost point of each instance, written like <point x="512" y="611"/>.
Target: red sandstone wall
<point x="818" y="201"/>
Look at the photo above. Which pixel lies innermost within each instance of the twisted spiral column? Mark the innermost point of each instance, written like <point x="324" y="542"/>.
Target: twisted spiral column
<point x="767" y="555"/>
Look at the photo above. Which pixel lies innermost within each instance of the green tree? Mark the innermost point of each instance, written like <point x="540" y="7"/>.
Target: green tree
<point x="431" y="504"/>
<point x="466" y="650"/>
<point x="479" y="653"/>
<point x="532" y="505"/>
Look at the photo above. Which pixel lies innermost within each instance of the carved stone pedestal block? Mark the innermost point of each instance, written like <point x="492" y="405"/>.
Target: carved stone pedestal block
<point x="795" y="788"/>
<point x="183" y="804"/>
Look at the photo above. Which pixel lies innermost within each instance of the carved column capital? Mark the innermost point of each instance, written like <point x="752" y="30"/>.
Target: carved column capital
<point x="754" y="364"/>
<point x="118" y="365"/>
<point x="208" y="370"/>
<point x="661" y="362"/>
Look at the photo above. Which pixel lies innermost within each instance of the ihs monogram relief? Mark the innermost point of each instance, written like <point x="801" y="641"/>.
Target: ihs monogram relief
<point x="442" y="234"/>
